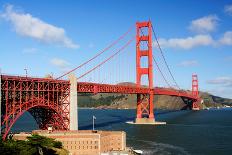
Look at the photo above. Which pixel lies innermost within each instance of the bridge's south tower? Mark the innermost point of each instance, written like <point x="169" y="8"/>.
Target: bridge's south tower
<point x="144" y="101"/>
<point x="195" y="91"/>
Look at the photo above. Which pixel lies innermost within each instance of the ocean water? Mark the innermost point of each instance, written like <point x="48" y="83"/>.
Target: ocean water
<point x="204" y="132"/>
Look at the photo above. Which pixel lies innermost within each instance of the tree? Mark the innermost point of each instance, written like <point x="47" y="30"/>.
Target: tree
<point x="43" y="144"/>
<point x="34" y="145"/>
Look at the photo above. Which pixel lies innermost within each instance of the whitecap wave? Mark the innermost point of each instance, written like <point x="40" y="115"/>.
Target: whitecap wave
<point x="162" y="149"/>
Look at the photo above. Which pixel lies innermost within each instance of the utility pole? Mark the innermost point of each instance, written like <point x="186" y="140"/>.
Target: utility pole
<point x="26" y="71"/>
<point x="93" y="121"/>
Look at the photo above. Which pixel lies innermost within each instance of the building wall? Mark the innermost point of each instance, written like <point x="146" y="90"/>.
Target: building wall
<point x="113" y="142"/>
<point x="85" y="142"/>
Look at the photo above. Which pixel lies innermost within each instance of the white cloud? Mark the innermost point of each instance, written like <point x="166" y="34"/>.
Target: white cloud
<point x="59" y="63"/>
<point x="204" y="24"/>
<point x="188" y="63"/>
<point x="226" y="39"/>
<point x="26" y="25"/>
<point x="221" y="92"/>
<point x="228" y="9"/>
<point x="187" y="43"/>
<point x="224" y="81"/>
<point x="197" y="41"/>
<point x="30" y="50"/>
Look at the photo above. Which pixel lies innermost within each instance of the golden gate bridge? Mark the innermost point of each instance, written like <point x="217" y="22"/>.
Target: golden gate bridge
<point x="53" y="101"/>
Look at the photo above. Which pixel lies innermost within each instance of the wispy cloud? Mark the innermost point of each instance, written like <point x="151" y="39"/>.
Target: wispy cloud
<point x="187" y="43"/>
<point x="221" y="91"/>
<point x="188" y="63"/>
<point x="60" y="63"/>
<point x="228" y="9"/>
<point x="223" y="81"/>
<point x="30" y="50"/>
<point x="204" y="24"/>
<point x="26" y="25"/>
<point x="197" y="41"/>
<point x="226" y="39"/>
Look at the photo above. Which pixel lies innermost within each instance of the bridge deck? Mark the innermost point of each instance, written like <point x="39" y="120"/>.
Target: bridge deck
<point x="86" y="87"/>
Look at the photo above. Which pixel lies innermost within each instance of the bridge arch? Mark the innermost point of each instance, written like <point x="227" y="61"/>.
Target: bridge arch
<point x="44" y="115"/>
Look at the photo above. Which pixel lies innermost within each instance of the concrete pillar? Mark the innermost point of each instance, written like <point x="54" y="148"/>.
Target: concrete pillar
<point x="73" y="102"/>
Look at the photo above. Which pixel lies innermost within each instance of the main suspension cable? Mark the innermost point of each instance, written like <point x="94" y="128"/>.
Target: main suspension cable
<point x="161" y="71"/>
<point x="161" y="51"/>
<point x="157" y="65"/>
<point x="98" y="54"/>
<point x="122" y="48"/>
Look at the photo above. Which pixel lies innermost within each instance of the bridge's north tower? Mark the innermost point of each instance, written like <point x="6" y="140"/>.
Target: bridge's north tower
<point x="144" y="101"/>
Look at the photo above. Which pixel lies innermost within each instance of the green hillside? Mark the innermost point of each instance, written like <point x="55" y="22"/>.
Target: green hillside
<point x="124" y="101"/>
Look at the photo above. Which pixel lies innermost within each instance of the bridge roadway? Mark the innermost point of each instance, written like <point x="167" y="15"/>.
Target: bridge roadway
<point x="49" y="101"/>
<point x="87" y="87"/>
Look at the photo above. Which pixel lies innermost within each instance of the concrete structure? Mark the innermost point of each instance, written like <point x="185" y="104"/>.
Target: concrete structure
<point x="41" y="95"/>
<point x="52" y="102"/>
<point x="146" y="121"/>
<point x="85" y="142"/>
<point x="73" y="102"/>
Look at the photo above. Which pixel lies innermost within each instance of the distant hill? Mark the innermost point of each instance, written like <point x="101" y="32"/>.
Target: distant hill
<point x="212" y="100"/>
<point x="124" y="101"/>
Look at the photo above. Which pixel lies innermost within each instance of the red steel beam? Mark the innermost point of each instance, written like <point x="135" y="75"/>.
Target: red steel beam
<point x="86" y="87"/>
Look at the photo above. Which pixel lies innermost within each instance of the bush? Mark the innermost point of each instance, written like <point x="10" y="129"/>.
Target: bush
<point x="34" y="145"/>
<point x="57" y="144"/>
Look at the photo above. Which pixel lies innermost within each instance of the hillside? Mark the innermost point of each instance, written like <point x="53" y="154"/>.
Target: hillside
<point x="128" y="101"/>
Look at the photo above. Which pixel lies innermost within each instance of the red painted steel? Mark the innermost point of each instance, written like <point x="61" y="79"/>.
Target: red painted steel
<point x="86" y="87"/>
<point x="98" y="54"/>
<point x="144" y="101"/>
<point x="195" y="91"/>
<point x="109" y="58"/>
<point x="47" y="100"/>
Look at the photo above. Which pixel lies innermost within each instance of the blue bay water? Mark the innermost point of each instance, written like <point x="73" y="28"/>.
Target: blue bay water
<point x="205" y="132"/>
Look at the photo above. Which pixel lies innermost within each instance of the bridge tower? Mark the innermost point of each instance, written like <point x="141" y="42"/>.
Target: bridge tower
<point x="195" y="91"/>
<point x="144" y="101"/>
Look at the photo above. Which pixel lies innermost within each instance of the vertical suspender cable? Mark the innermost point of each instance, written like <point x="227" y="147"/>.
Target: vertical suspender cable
<point x="164" y="57"/>
<point x="98" y="54"/>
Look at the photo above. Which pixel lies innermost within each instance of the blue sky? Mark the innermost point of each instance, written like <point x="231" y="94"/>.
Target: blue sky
<point x="54" y="36"/>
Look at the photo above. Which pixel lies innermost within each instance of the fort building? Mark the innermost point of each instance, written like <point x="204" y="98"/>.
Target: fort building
<point x="84" y="142"/>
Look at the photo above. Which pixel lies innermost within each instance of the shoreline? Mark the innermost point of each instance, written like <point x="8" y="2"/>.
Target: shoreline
<point x="110" y="108"/>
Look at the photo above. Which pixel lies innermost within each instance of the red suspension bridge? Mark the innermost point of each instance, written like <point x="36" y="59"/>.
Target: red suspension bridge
<point x="53" y="101"/>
